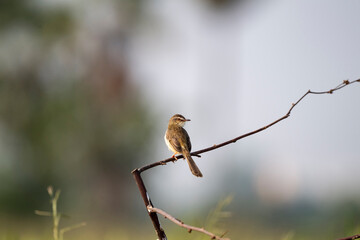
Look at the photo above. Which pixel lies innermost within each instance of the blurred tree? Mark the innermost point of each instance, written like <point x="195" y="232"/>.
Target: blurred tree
<point x="17" y="11"/>
<point x="80" y="129"/>
<point x="49" y="22"/>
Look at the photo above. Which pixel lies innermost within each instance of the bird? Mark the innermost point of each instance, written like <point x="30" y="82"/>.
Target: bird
<point x="178" y="141"/>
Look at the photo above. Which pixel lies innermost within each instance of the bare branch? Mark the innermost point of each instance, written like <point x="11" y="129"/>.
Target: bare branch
<point x="144" y="194"/>
<point x="351" y="238"/>
<point x="196" y="153"/>
<point x="182" y="224"/>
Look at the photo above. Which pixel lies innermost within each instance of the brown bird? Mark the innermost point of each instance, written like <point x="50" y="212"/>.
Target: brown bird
<point x="178" y="141"/>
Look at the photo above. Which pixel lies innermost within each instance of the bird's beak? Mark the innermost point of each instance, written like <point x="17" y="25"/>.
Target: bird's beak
<point x="187" y="120"/>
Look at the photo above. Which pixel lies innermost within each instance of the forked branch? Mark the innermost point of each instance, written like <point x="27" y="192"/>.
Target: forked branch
<point x="152" y="211"/>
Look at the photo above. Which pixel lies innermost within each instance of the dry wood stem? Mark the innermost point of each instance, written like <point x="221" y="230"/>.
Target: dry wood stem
<point x="182" y="224"/>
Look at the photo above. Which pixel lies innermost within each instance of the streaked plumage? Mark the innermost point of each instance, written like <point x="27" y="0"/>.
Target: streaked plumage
<point x="178" y="141"/>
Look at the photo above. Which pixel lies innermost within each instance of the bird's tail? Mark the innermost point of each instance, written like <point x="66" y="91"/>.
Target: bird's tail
<point x="193" y="167"/>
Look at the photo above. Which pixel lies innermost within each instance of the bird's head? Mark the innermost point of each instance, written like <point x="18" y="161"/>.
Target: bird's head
<point x="178" y="119"/>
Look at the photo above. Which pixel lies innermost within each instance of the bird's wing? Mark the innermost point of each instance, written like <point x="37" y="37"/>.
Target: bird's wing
<point x="174" y="142"/>
<point x="187" y="139"/>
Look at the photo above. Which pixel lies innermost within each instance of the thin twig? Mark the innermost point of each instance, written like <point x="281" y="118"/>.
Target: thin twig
<point x="357" y="236"/>
<point x="70" y="228"/>
<point x="196" y="153"/>
<point x="182" y="224"/>
<point x="43" y="213"/>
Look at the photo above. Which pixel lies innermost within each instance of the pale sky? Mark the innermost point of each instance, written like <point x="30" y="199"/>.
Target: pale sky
<point x="236" y="70"/>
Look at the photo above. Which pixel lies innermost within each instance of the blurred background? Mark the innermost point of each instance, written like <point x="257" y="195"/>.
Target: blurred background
<point x="87" y="88"/>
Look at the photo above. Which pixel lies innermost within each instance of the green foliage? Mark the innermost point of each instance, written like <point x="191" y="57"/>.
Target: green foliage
<point x="50" y="23"/>
<point x="63" y="137"/>
<point x="83" y="131"/>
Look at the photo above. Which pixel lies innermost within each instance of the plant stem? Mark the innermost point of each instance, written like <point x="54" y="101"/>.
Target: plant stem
<point x="56" y="217"/>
